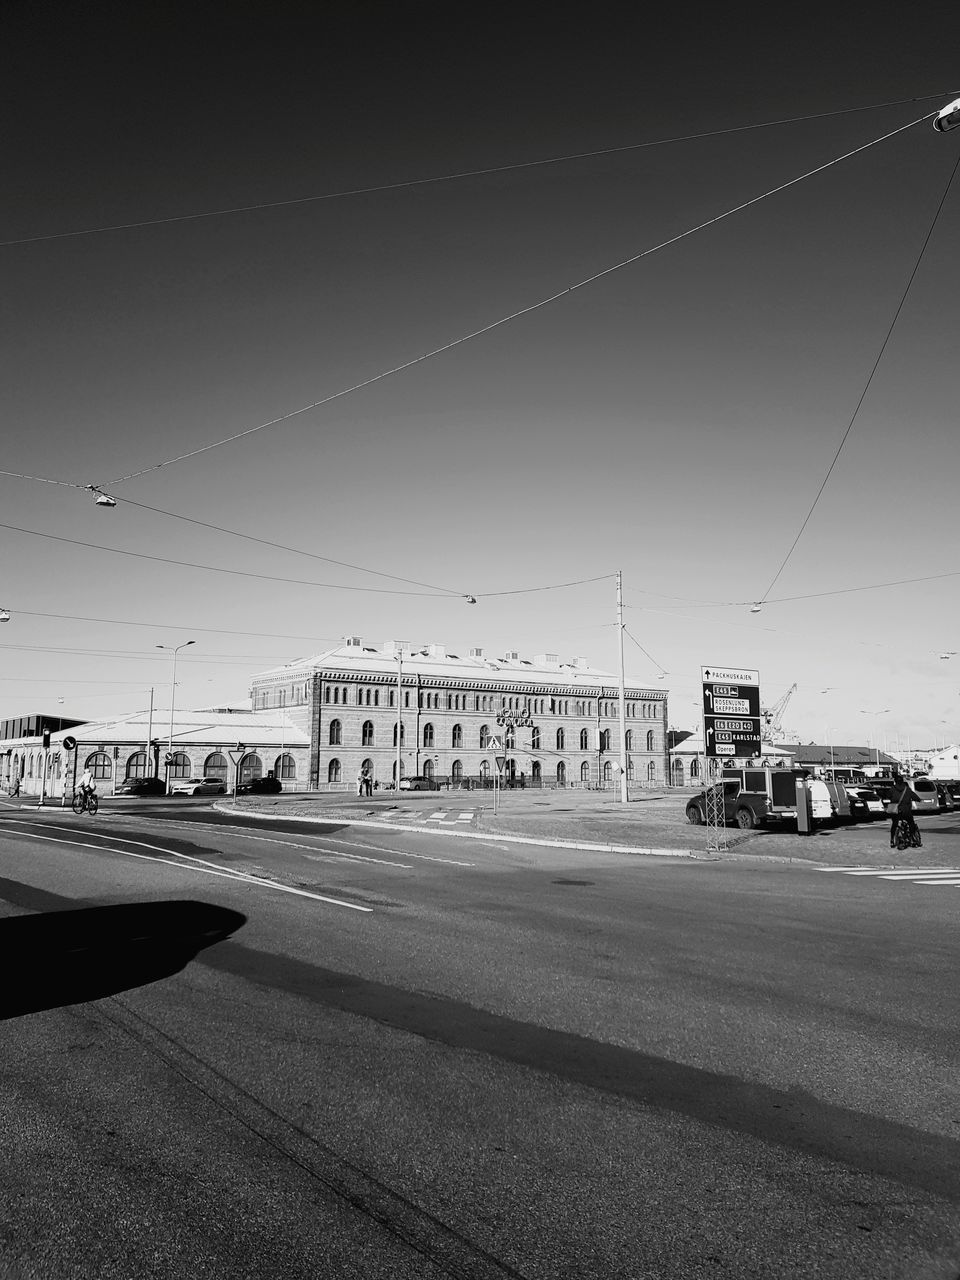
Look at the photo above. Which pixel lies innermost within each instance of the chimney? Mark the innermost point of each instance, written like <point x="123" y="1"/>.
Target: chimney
<point x="353" y="642"/>
<point x="546" y="660"/>
<point x="476" y="653"/>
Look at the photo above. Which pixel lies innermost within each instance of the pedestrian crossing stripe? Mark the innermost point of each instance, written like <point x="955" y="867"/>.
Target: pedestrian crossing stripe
<point x="935" y="876"/>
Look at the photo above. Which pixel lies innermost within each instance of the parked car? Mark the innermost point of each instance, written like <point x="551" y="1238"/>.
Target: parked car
<point x="747" y="809"/>
<point x="259" y="787"/>
<point x="947" y="802"/>
<point x="198" y="787"/>
<point x="928" y="797"/>
<point x="870" y="800"/>
<point x="417" y="783"/>
<point x="141" y="787"/>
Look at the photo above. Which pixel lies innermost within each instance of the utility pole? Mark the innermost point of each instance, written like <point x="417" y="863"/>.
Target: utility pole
<point x="623" y="694"/>
<point x="399" y="657"/>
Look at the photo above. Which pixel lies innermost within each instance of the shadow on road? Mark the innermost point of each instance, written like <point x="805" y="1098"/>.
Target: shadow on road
<point x="789" y="1118"/>
<point x="70" y="957"/>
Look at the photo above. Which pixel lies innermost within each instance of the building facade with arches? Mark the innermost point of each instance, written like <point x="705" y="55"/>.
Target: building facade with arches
<point x="232" y="744"/>
<point x="555" y="722"/>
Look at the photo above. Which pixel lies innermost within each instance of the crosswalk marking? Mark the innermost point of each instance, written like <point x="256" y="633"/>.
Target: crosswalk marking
<point x="936" y="876"/>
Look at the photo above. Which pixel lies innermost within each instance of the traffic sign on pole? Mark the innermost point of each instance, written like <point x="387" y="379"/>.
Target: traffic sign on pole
<point x="731" y="712"/>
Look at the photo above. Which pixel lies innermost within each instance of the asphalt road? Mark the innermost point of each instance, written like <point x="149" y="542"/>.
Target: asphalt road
<point x="383" y="1054"/>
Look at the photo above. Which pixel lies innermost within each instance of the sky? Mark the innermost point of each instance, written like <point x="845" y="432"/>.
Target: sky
<point x="673" y="419"/>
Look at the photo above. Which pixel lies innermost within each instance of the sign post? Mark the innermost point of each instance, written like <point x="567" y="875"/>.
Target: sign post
<point x="731" y="728"/>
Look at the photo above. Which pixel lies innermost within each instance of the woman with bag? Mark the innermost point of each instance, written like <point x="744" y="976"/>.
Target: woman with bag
<point x="904" y="832"/>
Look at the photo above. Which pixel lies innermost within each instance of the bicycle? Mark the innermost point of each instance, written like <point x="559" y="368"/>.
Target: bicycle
<point x="85" y="801"/>
<point x="906" y="834"/>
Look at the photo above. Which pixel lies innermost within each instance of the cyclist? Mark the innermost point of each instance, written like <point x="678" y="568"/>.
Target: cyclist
<point x="88" y="786"/>
<point x="908" y="835"/>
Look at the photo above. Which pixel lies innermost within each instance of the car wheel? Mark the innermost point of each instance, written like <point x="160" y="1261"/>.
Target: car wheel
<point x="694" y="815"/>
<point x="746" y="819"/>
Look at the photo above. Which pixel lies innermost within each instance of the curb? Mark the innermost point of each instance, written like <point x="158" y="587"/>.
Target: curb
<point x="491" y="837"/>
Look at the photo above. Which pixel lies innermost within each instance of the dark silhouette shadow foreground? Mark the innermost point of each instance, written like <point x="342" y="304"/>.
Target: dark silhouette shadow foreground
<point x="69" y="957"/>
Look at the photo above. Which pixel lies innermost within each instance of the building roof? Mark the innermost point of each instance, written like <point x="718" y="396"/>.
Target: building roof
<point x="219" y="725"/>
<point x="829" y="755"/>
<point x="435" y="661"/>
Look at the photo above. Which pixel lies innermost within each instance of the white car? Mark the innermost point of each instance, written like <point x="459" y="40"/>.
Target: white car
<point x="198" y="787"/>
<point x="867" y="796"/>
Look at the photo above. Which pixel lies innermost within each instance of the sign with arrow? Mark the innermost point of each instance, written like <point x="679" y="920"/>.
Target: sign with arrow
<point x="731" y="712"/>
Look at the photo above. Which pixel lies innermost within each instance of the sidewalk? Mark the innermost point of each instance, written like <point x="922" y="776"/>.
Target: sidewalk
<point x="651" y="822"/>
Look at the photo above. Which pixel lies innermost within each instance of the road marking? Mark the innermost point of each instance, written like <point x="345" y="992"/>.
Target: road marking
<point x="936" y="876"/>
<point x="195" y="864"/>
<point x="355" y="844"/>
<point x="466" y="817"/>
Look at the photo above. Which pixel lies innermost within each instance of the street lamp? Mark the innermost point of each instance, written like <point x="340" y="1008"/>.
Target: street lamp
<point x="884" y="712"/>
<point x="173" y="694"/>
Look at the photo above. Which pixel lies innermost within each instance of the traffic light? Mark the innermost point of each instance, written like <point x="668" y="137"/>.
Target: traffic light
<point x="46" y="739"/>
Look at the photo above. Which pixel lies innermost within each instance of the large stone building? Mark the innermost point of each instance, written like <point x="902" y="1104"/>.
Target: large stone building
<point x="452" y="709"/>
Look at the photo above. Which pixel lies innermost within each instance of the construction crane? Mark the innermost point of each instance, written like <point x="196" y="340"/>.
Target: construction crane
<point x="772" y="716"/>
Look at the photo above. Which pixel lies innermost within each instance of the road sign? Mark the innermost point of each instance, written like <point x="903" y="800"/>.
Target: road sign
<point x="729" y="675"/>
<point x="69" y="743"/>
<point x="236" y="757"/>
<point x="731" y="711"/>
<point x="501" y="761"/>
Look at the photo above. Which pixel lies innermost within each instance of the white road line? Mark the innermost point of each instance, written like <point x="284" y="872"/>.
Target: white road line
<point x="197" y="864"/>
<point x="355" y="844"/>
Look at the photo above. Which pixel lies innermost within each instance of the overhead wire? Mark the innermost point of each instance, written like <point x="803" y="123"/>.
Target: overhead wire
<point x="630" y="636"/>
<point x="519" y="312"/>
<point x="185" y="626"/>
<point x="459" y="175"/>
<point x="876" y="364"/>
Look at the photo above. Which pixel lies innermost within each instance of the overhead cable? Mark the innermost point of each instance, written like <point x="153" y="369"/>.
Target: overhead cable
<point x="867" y="385"/>
<point x="521" y="311"/>
<point x="460" y="175"/>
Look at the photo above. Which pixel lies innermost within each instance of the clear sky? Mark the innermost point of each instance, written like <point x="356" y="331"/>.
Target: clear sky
<point x="673" y="419"/>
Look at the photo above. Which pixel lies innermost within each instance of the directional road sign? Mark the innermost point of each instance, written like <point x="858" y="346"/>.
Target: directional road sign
<point x="731" y="711"/>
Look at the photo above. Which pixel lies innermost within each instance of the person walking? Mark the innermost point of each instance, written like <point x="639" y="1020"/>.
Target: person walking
<point x="902" y="799"/>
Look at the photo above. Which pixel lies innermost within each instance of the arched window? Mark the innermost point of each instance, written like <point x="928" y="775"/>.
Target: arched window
<point x="428" y="735"/>
<point x="251" y="767"/>
<point x="652" y="771"/>
<point x="607" y="771"/>
<point x="215" y="766"/>
<point x="561" y="774"/>
<point x="509" y="738"/>
<point x="326" y="693"/>
<point x="585" y="771"/>
<point x="336" y="733"/>
<point x="694" y="769"/>
<point x="180" y="766"/>
<point x="336" y="694"/>
<point x="484" y="736"/>
<point x="403" y="734"/>
<point x="428" y="768"/>
<point x="333" y="771"/>
<point x="456" y="771"/>
<point x="628" y="740"/>
<point x="649" y="739"/>
<point x="537" y="773"/>
<point x="535" y="740"/>
<point x="484" y="768"/>
<point x="678" y="773"/>
<point x="137" y="765"/>
<point x="630" y="774"/>
<point x="285" y="768"/>
<point x="403" y="771"/>
<point x="366" y="739"/>
<point x="456" y="737"/>
<point x="54" y="764"/>
<point x="605" y="740"/>
<point x="30" y="765"/>
<point x="367" y="767"/>
<point x="561" y="739"/>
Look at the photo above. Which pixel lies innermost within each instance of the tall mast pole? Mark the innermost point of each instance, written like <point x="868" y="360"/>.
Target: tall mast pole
<point x="623" y="694"/>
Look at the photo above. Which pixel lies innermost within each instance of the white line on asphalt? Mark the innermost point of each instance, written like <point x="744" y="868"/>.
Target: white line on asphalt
<point x="197" y="864"/>
<point x="354" y="844"/>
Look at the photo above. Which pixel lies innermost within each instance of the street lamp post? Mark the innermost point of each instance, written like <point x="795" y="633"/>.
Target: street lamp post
<point x="884" y="712"/>
<point x="173" y="694"/>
